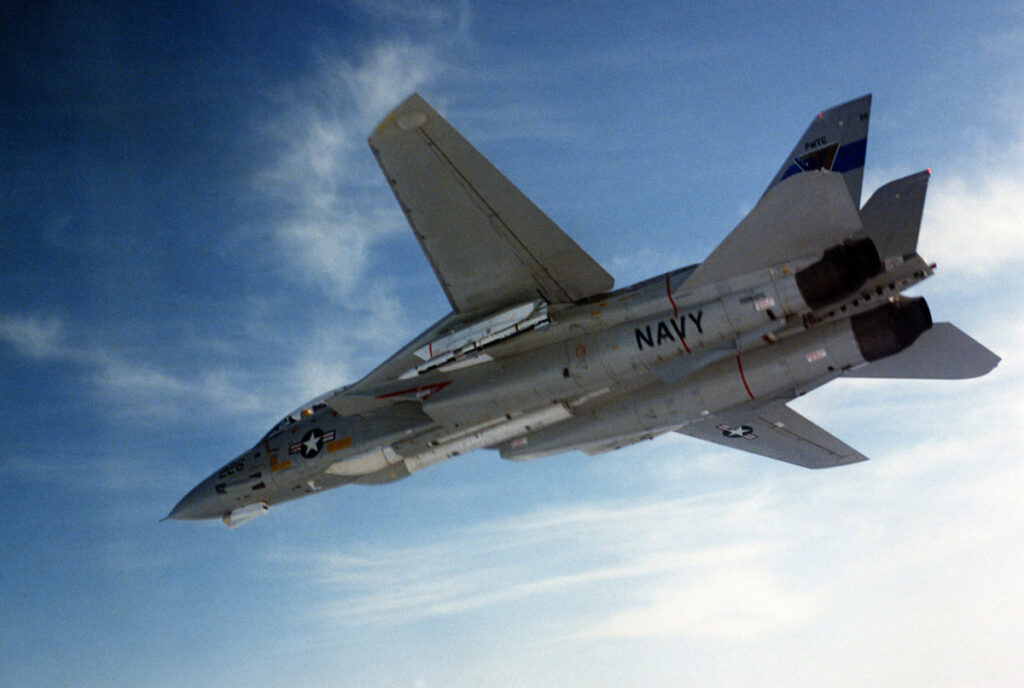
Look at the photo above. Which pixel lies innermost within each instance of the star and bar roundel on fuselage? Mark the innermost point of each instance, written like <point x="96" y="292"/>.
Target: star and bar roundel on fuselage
<point x="311" y="443"/>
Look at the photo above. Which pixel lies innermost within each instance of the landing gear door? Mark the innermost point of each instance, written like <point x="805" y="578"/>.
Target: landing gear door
<point x="276" y="448"/>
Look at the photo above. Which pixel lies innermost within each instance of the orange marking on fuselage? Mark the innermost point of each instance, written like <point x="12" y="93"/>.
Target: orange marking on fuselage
<point x="337" y="445"/>
<point x="274" y="465"/>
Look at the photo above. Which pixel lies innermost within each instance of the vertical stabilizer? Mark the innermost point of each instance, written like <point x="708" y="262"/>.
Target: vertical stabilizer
<point x="892" y="216"/>
<point x="837" y="141"/>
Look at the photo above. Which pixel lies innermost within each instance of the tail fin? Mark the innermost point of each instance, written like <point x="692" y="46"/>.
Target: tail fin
<point x="809" y="213"/>
<point x="942" y="353"/>
<point x="892" y="216"/>
<point x="799" y="217"/>
<point x="837" y="141"/>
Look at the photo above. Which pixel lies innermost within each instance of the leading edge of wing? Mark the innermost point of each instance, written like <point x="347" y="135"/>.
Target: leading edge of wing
<point x="488" y="244"/>
<point x="777" y="432"/>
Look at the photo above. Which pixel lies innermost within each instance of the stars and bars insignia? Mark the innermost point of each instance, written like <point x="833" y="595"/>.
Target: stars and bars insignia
<point x="744" y="431"/>
<point x="311" y="443"/>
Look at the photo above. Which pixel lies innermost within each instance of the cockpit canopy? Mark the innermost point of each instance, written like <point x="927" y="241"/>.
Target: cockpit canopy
<point x="293" y="418"/>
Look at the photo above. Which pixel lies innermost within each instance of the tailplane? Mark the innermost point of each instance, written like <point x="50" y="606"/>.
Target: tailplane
<point x="943" y="352"/>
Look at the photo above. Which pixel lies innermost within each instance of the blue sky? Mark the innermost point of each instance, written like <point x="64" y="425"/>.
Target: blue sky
<point x="196" y="239"/>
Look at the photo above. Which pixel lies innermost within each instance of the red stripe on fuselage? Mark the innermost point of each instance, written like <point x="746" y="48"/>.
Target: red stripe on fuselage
<point x="422" y="392"/>
<point x="739" y="364"/>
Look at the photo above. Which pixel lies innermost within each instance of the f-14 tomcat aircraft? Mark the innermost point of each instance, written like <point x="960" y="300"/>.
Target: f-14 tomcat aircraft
<point x="540" y="356"/>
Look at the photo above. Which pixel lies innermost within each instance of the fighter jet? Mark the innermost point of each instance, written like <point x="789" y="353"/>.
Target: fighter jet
<point x="540" y="355"/>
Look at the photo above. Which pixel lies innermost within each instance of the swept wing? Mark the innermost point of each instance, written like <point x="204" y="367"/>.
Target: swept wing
<point x="776" y="431"/>
<point x="487" y="243"/>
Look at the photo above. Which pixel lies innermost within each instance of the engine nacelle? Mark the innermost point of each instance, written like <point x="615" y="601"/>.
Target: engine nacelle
<point x="891" y="328"/>
<point x="840" y="272"/>
<point x="785" y="369"/>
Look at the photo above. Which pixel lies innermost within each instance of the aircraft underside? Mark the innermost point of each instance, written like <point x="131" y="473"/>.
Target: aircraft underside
<point x="539" y="356"/>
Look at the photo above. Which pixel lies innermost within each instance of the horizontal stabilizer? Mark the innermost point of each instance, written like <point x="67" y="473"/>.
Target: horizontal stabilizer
<point x="801" y="216"/>
<point x="942" y="353"/>
<point x="837" y="141"/>
<point x="775" y="431"/>
<point x="892" y="216"/>
<point x="488" y="244"/>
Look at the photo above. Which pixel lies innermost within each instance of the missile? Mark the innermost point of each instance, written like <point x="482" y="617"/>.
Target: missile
<point x="381" y="459"/>
<point x="242" y="515"/>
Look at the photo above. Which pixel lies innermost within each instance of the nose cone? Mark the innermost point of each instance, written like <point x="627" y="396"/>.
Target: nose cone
<point x="200" y="503"/>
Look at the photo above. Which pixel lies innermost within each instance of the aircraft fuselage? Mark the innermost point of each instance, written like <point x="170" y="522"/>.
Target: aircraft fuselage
<point x="540" y="356"/>
<point x="620" y="368"/>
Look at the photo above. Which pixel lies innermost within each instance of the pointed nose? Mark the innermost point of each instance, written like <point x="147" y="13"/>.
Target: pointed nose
<point x="200" y="503"/>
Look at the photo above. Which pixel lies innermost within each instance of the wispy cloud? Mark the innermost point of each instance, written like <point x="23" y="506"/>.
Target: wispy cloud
<point x="723" y="565"/>
<point x="733" y="602"/>
<point x="744" y="563"/>
<point x="136" y="384"/>
<point x="974" y="225"/>
<point x="328" y="211"/>
<point x="37" y="337"/>
<point x="325" y="197"/>
<point x="640" y="545"/>
<point x="972" y="216"/>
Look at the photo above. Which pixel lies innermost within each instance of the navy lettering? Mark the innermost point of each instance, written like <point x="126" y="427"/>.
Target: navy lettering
<point x="642" y="336"/>
<point x="696" y="321"/>
<point x="679" y="326"/>
<point x="663" y="333"/>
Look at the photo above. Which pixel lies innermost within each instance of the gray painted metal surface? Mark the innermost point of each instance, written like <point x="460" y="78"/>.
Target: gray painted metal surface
<point x="538" y="357"/>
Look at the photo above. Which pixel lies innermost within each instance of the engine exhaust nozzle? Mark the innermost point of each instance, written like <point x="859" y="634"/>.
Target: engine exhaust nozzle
<point x="840" y="272"/>
<point x="891" y="328"/>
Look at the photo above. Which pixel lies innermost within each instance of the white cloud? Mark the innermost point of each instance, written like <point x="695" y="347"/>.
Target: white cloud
<point x="384" y="76"/>
<point x="973" y="226"/>
<point x="133" y="384"/>
<point x="730" y="603"/>
<point x="33" y="336"/>
<point x="754" y="563"/>
<point x="534" y="555"/>
<point x="971" y="223"/>
<point x="328" y="204"/>
<point x="329" y="208"/>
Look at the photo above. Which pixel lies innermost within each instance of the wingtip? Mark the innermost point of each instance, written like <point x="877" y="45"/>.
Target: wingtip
<point x="409" y="114"/>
